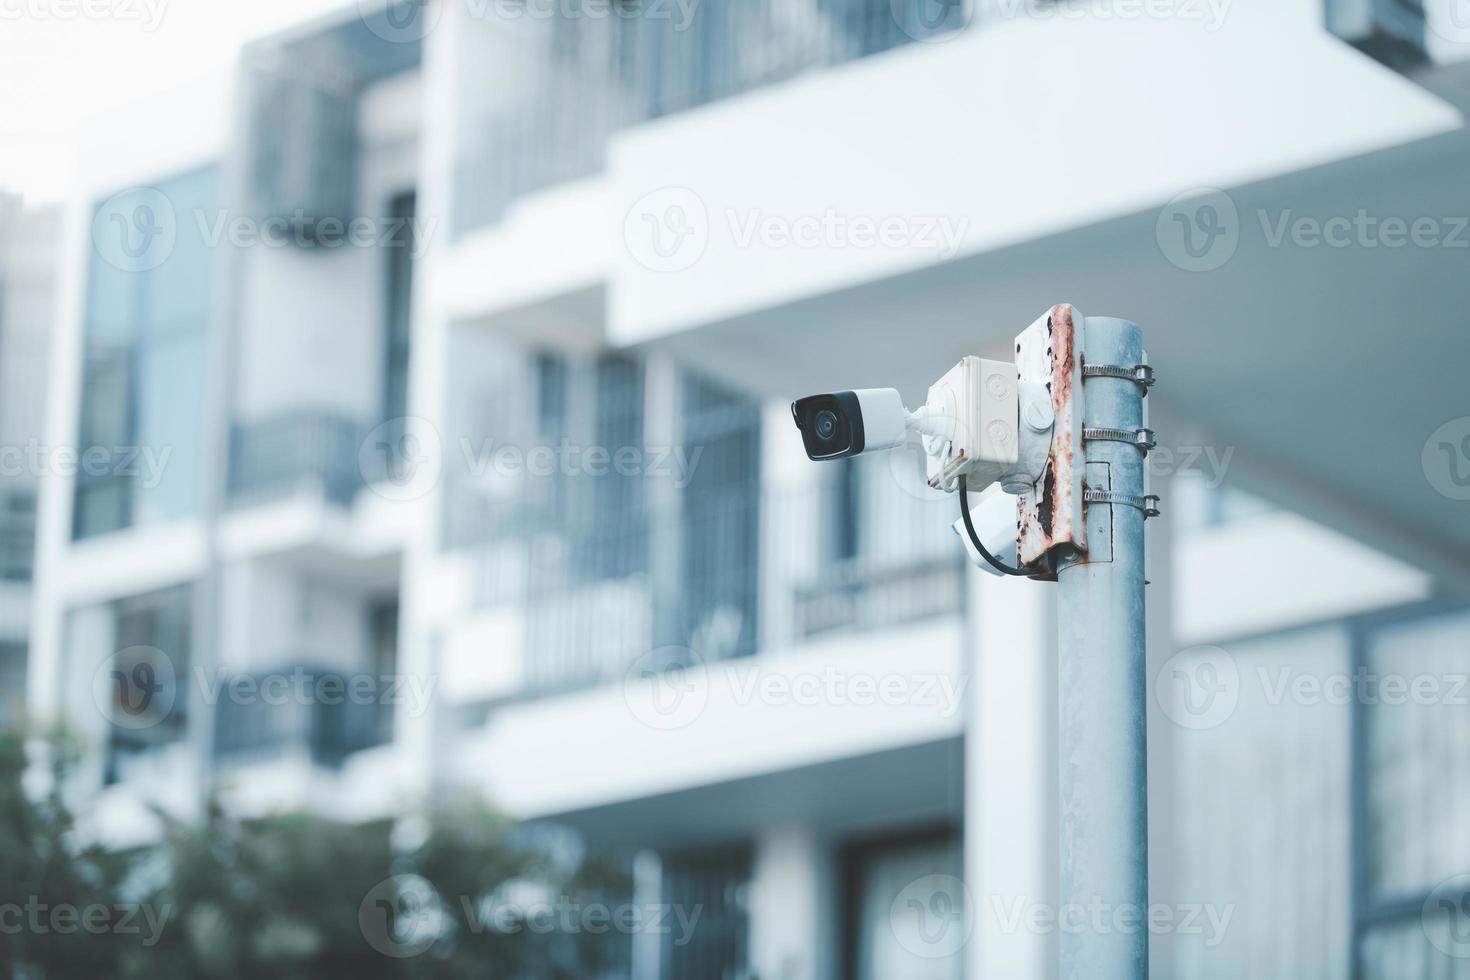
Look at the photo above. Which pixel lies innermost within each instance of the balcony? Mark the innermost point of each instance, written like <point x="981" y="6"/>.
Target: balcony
<point x="717" y="576"/>
<point x="297" y="711"/>
<point x="279" y="456"/>
<point x="561" y="86"/>
<point x="17" y="535"/>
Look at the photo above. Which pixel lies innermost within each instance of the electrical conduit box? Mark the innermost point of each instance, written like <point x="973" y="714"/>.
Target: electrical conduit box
<point x="979" y="396"/>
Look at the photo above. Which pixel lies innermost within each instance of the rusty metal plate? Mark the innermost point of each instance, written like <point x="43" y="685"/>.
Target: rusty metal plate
<point x="1049" y="352"/>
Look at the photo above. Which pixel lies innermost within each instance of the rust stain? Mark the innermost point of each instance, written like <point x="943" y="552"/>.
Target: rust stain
<point x="1047" y="353"/>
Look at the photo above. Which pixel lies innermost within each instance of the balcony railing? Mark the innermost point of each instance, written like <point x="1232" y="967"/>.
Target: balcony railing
<point x="17" y="535"/>
<point x="296" y="711"/>
<point x="722" y="574"/>
<point x="544" y="94"/>
<point x="278" y="456"/>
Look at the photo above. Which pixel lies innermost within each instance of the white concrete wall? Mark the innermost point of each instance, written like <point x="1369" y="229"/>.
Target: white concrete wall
<point x="1118" y="115"/>
<point x="312" y="320"/>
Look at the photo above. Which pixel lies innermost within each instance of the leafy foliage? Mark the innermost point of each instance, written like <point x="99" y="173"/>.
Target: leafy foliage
<point x="445" y="896"/>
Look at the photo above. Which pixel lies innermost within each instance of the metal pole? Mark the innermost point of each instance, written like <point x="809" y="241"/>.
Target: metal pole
<point x="1103" y="915"/>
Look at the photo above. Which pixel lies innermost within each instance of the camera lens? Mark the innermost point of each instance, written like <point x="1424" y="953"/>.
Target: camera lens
<point x="826" y="424"/>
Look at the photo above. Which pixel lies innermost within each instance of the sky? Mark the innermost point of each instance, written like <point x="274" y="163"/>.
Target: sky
<point x="63" y="62"/>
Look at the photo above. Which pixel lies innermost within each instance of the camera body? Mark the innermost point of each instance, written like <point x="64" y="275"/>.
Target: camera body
<point x="847" y="423"/>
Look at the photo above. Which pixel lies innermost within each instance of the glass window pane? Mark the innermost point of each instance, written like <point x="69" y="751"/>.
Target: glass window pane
<point x="910" y="911"/>
<point x="166" y="469"/>
<point x="177" y="292"/>
<point x="1413" y="949"/>
<point x="1418" y="754"/>
<point x="1260" y="799"/>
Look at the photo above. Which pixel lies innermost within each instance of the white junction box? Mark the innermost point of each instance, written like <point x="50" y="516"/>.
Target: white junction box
<point x="980" y="396"/>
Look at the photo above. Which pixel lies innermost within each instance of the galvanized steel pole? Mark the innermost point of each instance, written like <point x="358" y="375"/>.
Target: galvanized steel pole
<point x="1103" y="915"/>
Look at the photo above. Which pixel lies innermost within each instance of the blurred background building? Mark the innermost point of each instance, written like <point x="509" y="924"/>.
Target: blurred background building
<point x="357" y="335"/>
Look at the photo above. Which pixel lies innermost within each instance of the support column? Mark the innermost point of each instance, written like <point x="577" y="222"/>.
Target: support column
<point x="1010" y="777"/>
<point x="1102" y="690"/>
<point x="793" y="910"/>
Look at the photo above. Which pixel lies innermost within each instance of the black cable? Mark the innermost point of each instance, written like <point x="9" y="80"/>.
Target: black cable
<point x="995" y="562"/>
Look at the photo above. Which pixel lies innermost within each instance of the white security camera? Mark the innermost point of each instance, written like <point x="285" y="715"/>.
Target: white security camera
<point x="846" y="423"/>
<point x="979" y="426"/>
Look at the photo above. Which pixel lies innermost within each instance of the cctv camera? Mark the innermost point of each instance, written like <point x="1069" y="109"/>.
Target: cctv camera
<point x="846" y="423"/>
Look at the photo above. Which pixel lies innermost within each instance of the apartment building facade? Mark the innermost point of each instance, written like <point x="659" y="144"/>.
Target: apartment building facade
<point x="450" y="348"/>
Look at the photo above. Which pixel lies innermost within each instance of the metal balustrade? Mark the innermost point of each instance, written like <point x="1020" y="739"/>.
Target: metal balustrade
<point x="543" y="94"/>
<point x="302" y="710"/>
<point x="721" y="574"/>
<point x="275" y="457"/>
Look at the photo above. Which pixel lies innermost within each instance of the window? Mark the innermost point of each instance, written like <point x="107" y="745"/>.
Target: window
<point x="401" y="247"/>
<point x="12" y="681"/>
<point x="152" y="638"/>
<point x="906" y="914"/>
<point x="716" y="882"/>
<point x="1412" y="798"/>
<point x="143" y="369"/>
<point x="719" y="514"/>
